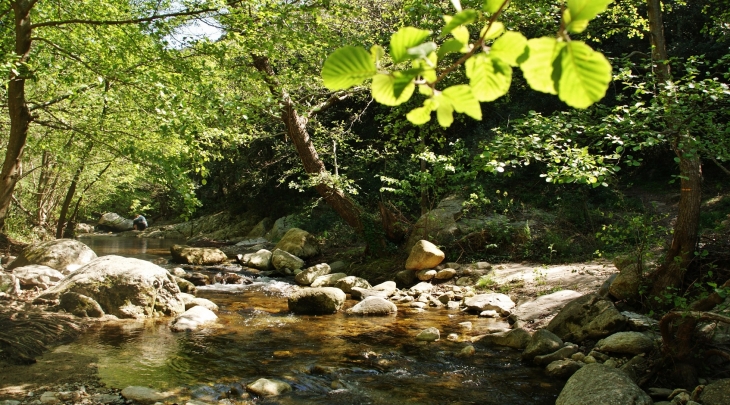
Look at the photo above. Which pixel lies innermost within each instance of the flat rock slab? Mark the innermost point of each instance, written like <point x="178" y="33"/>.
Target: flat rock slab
<point x="544" y="306"/>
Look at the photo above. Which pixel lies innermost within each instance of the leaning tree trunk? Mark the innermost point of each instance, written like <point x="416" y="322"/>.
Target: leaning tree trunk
<point x="18" y="111"/>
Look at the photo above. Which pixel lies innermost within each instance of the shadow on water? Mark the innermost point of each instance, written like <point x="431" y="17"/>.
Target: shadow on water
<point x="327" y="359"/>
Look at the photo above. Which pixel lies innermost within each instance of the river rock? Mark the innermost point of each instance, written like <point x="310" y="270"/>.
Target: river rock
<point x="373" y="306"/>
<point x="299" y="242"/>
<point x="144" y="395"/>
<point x="194" y="318"/>
<point x="542" y="342"/>
<point x="261" y="259"/>
<point x="308" y="275"/>
<point x="328" y="280"/>
<point x="625" y="343"/>
<point x="383" y="290"/>
<point x="9" y="284"/>
<point x="315" y="301"/>
<point x="268" y="388"/>
<point x="193" y="301"/>
<point x="716" y="393"/>
<point x="494" y="301"/>
<point x="280" y="227"/>
<point x="199" y="256"/>
<point x="426" y="274"/>
<point x="445" y="274"/>
<point x="563" y="369"/>
<point x="422" y="288"/>
<point x="405" y="278"/>
<point x="597" y="384"/>
<point x="82" y="228"/>
<point x="115" y="222"/>
<point x="80" y="305"/>
<point x="438" y="224"/>
<point x="347" y="283"/>
<point x="515" y="338"/>
<point x="64" y="255"/>
<point x="185" y="285"/>
<point x="639" y="322"/>
<point x="543" y="306"/>
<point x="428" y="335"/>
<point x="589" y="316"/>
<point x="424" y="255"/>
<point x="560" y="354"/>
<point x="36" y="275"/>
<point x="124" y="287"/>
<point x="628" y="281"/>
<point x="285" y="260"/>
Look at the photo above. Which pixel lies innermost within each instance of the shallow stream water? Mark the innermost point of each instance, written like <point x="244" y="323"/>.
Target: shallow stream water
<point x="334" y="359"/>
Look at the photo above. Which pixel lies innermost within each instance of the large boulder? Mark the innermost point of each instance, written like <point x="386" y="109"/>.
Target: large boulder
<point x="307" y="276"/>
<point x="115" y="222"/>
<point x="197" y="255"/>
<point x="299" y="242"/>
<point x="424" y="255"/>
<point x="327" y="280"/>
<point x="439" y="224"/>
<point x="64" y="255"/>
<point x="716" y="393"/>
<point x="544" y="305"/>
<point x="598" y="384"/>
<point x="542" y="342"/>
<point x="280" y="227"/>
<point x="590" y="316"/>
<point x="316" y="301"/>
<point x="80" y="305"/>
<point x="261" y="259"/>
<point x="36" y="275"/>
<point x="373" y="306"/>
<point x="285" y="260"/>
<point x="627" y="283"/>
<point x="346" y="284"/>
<point x="515" y="338"/>
<point x="124" y="287"/>
<point x="493" y="301"/>
<point x="625" y="343"/>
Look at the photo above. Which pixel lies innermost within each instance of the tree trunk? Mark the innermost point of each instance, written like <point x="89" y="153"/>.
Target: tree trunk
<point x="18" y="111"/>
<point x="67" y="202"/>
<point x="670" y="274"/>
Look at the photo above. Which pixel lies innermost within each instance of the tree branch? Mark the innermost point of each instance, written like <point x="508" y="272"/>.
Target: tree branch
<point x="332" y="100"/>
<point x="44" y="105"/>
<point x="131" y="20"/>
<point x="723" y="168"/>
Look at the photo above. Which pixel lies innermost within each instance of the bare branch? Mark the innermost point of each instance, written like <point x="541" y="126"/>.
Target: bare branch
<point x="155" y="17"/>
<point x="723" y="168"/>
<point x="44" y="105"/>
<point x="332" y="100"/>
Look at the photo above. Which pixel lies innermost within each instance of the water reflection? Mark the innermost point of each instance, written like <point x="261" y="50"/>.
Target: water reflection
<point x="327" y="359"/>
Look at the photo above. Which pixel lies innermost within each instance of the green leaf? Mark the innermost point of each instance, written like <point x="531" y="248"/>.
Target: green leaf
<point x="492" y="6"/>
<point x="450" y="46"/>
<point x="422" y="51"/>
<point x="377" y="52"/>
<point x="420" y="115"/>
<point x="347" y="67"/>
<point x="384" y="90"/>
<point x="537" y="63"/>
<point x="404" y="39"/>
<point x="490" y="77"/>
<point x="587" y="9"/>
<point x="585" y="75"/>
<point x="461" y="18"/>
<point x="402" y="79"/>
<point x="444" y="111"/>
<point x="509" y="47"/>
<point x="495" y="29"/>
<point x="463" y="100"/>
<point x="461" y="34"/>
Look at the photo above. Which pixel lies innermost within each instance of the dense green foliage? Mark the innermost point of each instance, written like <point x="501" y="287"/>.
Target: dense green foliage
<point x="173" y="129"/>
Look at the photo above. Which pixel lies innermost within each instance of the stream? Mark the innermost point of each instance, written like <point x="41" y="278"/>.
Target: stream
<point x="333" y="359"/>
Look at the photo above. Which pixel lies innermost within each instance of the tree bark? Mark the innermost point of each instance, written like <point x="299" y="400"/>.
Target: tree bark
<point x="67" y="202"/>
<point x="18" y="111"/>
<point x="670" y="274"/>
<point x="296" y="128"/>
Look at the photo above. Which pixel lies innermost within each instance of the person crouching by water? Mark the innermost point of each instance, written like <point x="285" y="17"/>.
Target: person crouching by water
<point x="139" y="223"/>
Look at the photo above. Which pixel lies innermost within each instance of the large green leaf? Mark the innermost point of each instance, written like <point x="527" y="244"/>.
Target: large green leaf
<point x="444" y="111"/>
<point x="492" y="6"/>
<point x="580" y="12"/>
<point x="452" y="45"/>
<point x="384" y="90"/>
<point x="490" y="77"/>
<point x="347" y="67"/>
<point x="404" y="39"/>
<point x="402" y="79"/>
<point x="509" y="47"/>
<point x="419" y="116"/>
<point x="462" y="18"/>
<point x="537" y="64"/>
<point x="463" y="100"/>
<point x="587" y="9"/>
<point x="585" y="75"/>
<point x="492" y="31"/>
